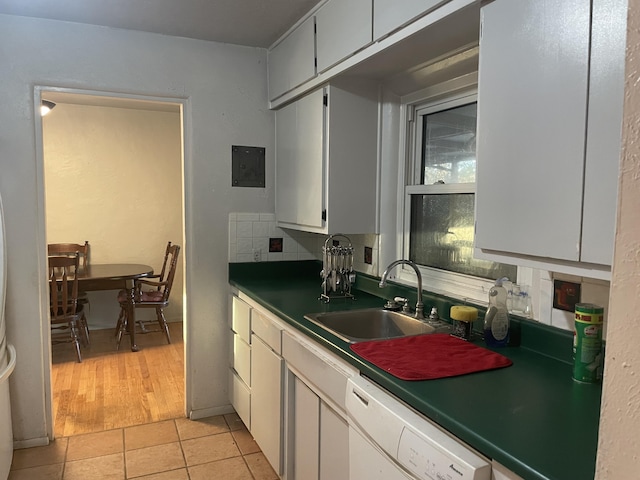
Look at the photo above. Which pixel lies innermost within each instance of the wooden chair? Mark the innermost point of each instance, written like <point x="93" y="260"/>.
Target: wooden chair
<point x="157" y="297"/>
<point x="82" y="251"/>
<point x="65" y="312"/>
<point x="70" y="249"/>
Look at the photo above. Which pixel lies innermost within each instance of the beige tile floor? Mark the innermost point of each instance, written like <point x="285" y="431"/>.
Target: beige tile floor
<point x="212" y="448"/>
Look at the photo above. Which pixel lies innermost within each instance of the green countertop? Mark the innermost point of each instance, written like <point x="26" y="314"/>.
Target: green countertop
<point x="530" y="417"/>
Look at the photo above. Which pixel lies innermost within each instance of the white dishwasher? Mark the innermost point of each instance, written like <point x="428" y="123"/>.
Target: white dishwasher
<point x="389" y="441"/>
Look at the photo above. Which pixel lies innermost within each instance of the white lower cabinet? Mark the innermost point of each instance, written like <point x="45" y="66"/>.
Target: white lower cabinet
<point x="291" y="397"/>
<point x="240" y="360"/>
<point x="334" y="445"/>
<point x="317" y="439"/>
<point x="266" y="401"/>
<point x="304" y="417"/>
<point x="319" y="443"/>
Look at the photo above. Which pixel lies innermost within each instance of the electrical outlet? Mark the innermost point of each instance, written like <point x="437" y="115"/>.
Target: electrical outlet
<point x="257" y="255"/>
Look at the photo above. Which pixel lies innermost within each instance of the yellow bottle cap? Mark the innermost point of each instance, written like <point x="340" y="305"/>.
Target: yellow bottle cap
<point x="463" y="313"/>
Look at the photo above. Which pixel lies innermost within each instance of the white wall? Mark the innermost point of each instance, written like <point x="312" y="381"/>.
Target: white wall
<point x="225" y="87"/>
<point x="94" y="156"/>
<point x="619" y="437"/>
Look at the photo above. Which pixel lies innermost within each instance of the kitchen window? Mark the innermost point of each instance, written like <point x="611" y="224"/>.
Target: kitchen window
<point x="439" y="198"/>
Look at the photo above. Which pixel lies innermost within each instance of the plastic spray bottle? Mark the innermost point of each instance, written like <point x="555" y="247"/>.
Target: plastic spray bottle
<point x="496" y="320"/>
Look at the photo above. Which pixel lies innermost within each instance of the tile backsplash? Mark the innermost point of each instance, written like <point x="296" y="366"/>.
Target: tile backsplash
<point x="252" y="234"/>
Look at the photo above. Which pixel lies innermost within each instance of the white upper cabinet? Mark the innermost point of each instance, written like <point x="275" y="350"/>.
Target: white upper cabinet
<point x="532" y="107"/>
<point x="389" y="15"/>
<point x="342" y="28"/>
<point x="604" y="130"/>
<point x="326" y="161"/>
<point x="292" y="61"/>
<point x="534" y="93"/>
<point x="300" y="163"/>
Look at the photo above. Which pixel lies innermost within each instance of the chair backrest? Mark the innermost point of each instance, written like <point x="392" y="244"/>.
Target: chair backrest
<point x="63" y="284"/>
<point x="169" y="269"/>
<point x="69" y="250"/>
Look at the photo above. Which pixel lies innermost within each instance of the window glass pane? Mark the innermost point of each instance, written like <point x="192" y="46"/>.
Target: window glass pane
<point x="442" y="236"/>
<point x="449" y="145"/>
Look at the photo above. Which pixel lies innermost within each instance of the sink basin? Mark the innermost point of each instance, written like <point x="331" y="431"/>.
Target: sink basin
<point x="369" y="324"/>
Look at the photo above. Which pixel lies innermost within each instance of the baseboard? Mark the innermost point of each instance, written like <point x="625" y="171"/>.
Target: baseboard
<point x="211" y="412"/>
<point x="32" y="442"/>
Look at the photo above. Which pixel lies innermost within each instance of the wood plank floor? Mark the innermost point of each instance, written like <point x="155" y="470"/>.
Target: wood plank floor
<point x="115" y="389"/>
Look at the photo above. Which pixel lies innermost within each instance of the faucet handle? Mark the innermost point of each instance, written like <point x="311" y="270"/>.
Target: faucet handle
<point x="391" y="305"/>
<point x="404" y="302"/>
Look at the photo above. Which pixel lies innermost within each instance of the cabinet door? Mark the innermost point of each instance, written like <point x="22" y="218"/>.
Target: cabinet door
<point x="266" y="401"/>
<point x="300" y="162"/>
<point x="240" y="398"/>
<point x="334" y="445"/>
<point x="306" y="432"/>
<point x="352" y="114"/>
<point x="292" y="61"/>
<point x="241" y="319"/>
<point x="342" y="28"/>
<point x="606" y="94"/>
<point x="389" y="15"/>
<point x="532" y="106"/>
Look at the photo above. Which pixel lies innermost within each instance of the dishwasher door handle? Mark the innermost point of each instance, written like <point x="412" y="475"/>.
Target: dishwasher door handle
<point x="359" y="396"/>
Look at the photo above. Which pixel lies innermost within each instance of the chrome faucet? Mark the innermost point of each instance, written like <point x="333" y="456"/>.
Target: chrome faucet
<point x="383" y="281"/>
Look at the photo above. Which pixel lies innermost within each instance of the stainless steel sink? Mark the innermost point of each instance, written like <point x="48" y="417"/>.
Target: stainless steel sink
<point x="369" y="324"/>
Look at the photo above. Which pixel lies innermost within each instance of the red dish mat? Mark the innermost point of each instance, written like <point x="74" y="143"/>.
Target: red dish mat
<point x="426" y="357"/>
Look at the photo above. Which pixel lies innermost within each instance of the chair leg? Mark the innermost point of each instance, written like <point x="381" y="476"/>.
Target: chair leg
<point x="123" y="321"/>
<point x="163" y="323"/>
<point x="84" y="326"/>
<point x="74" y="338"/>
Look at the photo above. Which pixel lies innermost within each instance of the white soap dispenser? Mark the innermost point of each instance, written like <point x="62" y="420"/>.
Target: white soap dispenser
<point x="496" y="320"/>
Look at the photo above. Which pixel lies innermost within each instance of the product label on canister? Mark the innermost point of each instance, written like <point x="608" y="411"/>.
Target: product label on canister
<point x="587" y="343"/>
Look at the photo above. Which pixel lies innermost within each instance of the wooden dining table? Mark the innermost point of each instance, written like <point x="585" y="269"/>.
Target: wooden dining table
<point x="115" y="276"/>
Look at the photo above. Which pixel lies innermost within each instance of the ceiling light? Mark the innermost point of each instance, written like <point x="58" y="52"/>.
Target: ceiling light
<point x="46" y="106"/>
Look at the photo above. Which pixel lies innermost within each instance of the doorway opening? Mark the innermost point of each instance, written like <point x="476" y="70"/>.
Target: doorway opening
<point x="113" y="175"/>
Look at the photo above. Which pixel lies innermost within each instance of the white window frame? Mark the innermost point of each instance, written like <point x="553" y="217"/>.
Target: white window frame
<point x="456" y="285"/>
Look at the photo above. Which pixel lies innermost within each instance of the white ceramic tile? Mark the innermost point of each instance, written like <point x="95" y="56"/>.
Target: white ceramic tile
<point x="233" y="217"/>
<point x="275" y="256"/>
<point x="371" y="240"/>
<point x="244" y="257"/>
<point x="275" y="231"/>
<point x="306" y="245"/>
<point x="244" y="229"/>
<point x="562" y="319"/>
<point x="267" y="217"/>
<point x="289" y="245"/>
<point x="261" y="229"/>
<point x="290" y="256"/>
<point x="232" y="232"/>
<point x="244" y="245"/>
<point x="262" y="244"/>
<point x="595" y="292"/>
<point x="545" y="299"/>
<point x="306" y="256"/>
<point x="232" y="253"/>
<point x="566" y="277"/>
<point x="248" y="217"/>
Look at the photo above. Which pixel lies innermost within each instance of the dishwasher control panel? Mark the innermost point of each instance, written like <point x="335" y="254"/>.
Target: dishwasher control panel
<point x="427" y="462"/>
<point x="409" y="440"/>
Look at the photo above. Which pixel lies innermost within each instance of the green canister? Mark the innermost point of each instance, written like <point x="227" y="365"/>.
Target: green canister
<point x="587" y="343"/>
